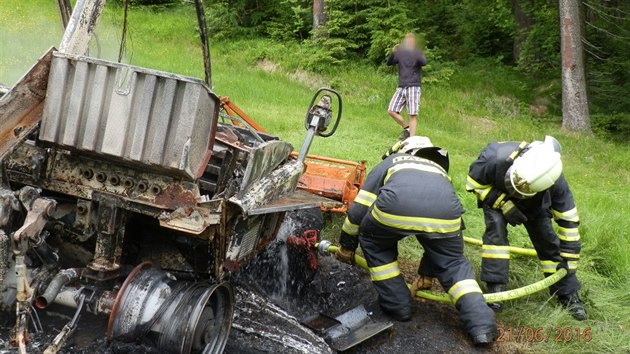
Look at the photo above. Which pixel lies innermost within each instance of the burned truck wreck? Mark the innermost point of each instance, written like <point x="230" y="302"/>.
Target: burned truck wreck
<point x="124" y="194"/>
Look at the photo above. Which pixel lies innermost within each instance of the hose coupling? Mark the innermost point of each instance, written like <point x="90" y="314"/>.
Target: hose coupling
<point x="323" y="247"/>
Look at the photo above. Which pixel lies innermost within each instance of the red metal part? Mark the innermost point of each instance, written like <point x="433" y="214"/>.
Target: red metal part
<point x="326" y="176"/>
<point x="332" y="178"/>
<point x="233" y="110"/>
<point x="307" y="241"/>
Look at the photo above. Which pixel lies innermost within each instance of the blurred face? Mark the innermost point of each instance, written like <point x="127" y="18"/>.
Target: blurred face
<point x="410" y="41"/>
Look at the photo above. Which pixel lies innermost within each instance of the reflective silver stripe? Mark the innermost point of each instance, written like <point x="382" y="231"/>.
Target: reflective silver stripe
<point x="384" y="272"/>
<point x="495" y="252"/>
<point x="549" y="266"/>
<point x="569" y="255"/>
<point x="419" y="166"/>
<point x="462" y="288"/>
<point x="573" y="265"/>
<point x="566" y="234"/>
<point x="350" y="228"/>
<point x="470" y="181"/>
<point x="417" y="223"/>
<point x="569" y="215"/>
<point x="365" y="198"/>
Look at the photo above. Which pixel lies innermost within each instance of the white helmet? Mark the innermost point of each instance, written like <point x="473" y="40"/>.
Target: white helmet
<point x="412" y="144"/>
<point x="421" y="146"/>
<point x="537" y="168"/>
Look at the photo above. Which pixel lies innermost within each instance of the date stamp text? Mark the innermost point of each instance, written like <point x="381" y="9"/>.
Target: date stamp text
<point x="545" y="334"/>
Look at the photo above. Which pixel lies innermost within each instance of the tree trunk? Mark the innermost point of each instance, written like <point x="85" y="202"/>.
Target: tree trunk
<point x="319" y="16"/>
<point x="523" y="26"/>
<point x="575" y="115"/>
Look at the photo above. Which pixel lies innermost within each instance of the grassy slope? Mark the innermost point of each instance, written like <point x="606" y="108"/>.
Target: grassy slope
<point x="482" y="102"/>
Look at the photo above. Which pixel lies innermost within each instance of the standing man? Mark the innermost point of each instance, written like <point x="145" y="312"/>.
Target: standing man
<point x="521" y="183"/>
<point x="410" y="193"/>
<point x="410" y="61"/>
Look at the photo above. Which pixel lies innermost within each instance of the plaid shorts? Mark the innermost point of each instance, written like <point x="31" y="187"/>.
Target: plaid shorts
<point x="410" y="96"/>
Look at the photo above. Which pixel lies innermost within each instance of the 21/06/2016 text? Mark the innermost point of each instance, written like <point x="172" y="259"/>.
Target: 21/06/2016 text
<point x="541" y="334"/>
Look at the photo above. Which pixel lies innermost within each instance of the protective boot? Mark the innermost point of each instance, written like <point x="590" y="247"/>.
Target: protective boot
<point x="495" y="288"/>
<point x="402" y="315"/>
<point x="485" y="339"/>
<point x="574" y="305"/>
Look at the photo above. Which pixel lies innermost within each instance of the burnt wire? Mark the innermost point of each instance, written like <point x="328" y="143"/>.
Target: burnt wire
<point x="34" y="316"/>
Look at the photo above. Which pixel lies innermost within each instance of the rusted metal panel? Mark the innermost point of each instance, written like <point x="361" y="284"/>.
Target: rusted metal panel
<point x="83" y="177"/>
<point x="192" y="220"/>
<point x="274" y="185"/>
<point x="21" y="108"/>
<point x="295" y="201"/>
<point x="262" y="160"/>
<point x="130" y="114"/>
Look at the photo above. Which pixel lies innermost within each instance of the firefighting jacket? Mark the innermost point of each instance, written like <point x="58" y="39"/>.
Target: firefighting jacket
<point x="486" y="178"/>
<point x="405" y="195"/>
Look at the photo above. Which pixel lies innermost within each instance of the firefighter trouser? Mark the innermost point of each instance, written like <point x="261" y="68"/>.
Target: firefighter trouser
<point x="495" y="257"/>
<point x="444" y="257"/>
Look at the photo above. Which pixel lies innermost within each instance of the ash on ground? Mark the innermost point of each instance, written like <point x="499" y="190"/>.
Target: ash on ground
<point x="335" y="289"/>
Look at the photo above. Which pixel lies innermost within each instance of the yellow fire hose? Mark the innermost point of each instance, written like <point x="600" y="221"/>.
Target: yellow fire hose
<point x="493" y="297"/>
<point x="515" y="250"/>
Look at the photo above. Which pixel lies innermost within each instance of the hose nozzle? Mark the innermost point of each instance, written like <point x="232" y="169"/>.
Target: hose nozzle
<point x="323" y="247"/>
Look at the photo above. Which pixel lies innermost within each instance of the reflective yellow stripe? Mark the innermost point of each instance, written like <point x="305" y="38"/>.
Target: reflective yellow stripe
<point x="497" y="204"/>
<point x="475" y="185"/>
<point x="483" y="193"/>
<point x="481" y="190"/>
<point x="384" y="272"/>
<point x="569" y="215"/>
<point x="419" y="166"/>
<point x="520" y="148"/>
<point x="412" y="223"/>
<point x="495" y="252"/>
<point x="569" y="235"/>
<point x="549" y="266"/>
<point x="365" y="198"/>
<point x="569" y="255"/>
<point x="573" y="265"/>
<point x="462" y="288"/>
<point x="350" y="228"/>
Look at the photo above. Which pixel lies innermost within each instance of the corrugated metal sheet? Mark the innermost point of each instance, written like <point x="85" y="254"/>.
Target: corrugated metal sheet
<point x="131" y="114"/>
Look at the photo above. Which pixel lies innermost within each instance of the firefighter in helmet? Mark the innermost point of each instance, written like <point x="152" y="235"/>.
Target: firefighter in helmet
<point x="410" y="193"/>
<point x="522" y="183"/>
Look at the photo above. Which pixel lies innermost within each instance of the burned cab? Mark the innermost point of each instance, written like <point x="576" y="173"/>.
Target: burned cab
<point x="126" y="194"/>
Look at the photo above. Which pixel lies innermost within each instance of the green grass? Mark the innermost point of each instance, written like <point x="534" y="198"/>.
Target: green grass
<point x="483" y="101"/>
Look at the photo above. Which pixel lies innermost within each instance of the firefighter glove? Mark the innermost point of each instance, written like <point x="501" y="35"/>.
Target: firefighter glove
<point x="345" y="255"/>
<point x="348" y="241"/>
<point x="422" y="282"/>
<point x="512" y="214"/>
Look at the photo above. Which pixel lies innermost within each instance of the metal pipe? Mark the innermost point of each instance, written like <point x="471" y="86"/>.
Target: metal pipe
<point x="4" y="255"/>
<point x="62" y="278"/>
<point x="65" y="11"/>
<point x="80" y="28"/>
<point x="205" y="44"/>
<point x="101" y="304"/>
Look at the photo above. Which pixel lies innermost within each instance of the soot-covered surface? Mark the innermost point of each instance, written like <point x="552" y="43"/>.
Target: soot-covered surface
<point x="271" y="324"/>
<point x="335" y="289"/>
<point x="266" y="323"/>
